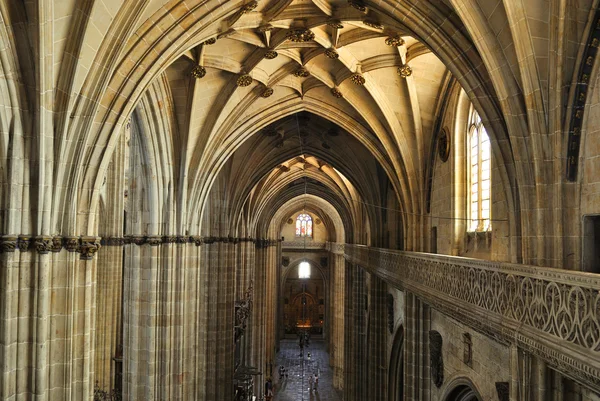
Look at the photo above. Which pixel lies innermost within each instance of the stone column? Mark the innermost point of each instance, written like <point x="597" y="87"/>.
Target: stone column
<point x="355" y="357"/>
<point x="141" y="280"/>
<point x="109" y="281"/>
<point x="337" y="301"/>
<point x="258" y="319"/>
<point x="377" y="343"/>
<point x="418" y="376"/>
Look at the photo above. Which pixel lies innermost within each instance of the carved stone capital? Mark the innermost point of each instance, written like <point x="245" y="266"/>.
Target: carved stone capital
<point x="169" y="239"/>
<point x="154" y="240"/>
<point x="71" y="244"/>
<point x="88" y="248"/>
<point x="137" y="239"/>
<point x="180" y="239"/>
<point x="57" y="244"/>
<point x="24" y="243"/>
<point x="112" y="241"/>
<point x="196" y="239"/>
<point x="43" y="244"/>
<point x="8" y="243"/>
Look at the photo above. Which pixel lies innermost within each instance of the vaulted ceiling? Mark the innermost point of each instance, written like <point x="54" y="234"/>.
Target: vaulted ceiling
<point x="337" y="60"/>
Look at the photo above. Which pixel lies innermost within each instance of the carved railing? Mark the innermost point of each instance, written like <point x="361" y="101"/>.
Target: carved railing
<point x="302" y="245"/>
<point x="551" y="313"/>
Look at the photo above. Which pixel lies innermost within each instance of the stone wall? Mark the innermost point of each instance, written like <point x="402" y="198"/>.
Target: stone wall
<point x="490" y="361"/>
<point x="448" y="211"/>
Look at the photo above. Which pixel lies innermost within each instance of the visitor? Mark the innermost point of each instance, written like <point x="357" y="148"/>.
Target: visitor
<point x="316" y="382"/>
<point x="310" y="382"/>
<point x="269" y="389"/>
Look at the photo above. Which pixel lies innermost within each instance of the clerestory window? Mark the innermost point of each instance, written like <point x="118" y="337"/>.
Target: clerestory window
<point x="303" y="225"/>
<point x="479" y="175"/>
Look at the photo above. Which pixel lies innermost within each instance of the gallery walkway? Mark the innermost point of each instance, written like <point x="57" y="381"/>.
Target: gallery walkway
<point x="296" y="386"/>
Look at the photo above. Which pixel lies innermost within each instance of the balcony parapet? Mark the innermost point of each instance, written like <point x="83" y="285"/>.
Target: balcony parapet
<point x="551" y="313"/>
<point x="302" y="245"/>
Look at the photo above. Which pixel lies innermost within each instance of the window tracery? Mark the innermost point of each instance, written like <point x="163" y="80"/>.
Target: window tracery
<point x="479" y="175"/>
<point x="303" y="225"/>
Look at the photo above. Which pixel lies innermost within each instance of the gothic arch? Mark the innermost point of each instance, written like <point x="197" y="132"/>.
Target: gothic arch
<point x="461" y="389"/>
<point x="396" y="367"/>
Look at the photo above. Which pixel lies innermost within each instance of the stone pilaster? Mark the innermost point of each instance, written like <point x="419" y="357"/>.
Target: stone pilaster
<point x="337" y="305"/>
<point x="418" y="379"/>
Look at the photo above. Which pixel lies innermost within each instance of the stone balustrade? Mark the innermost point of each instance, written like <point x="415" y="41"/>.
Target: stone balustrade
<point x="551" y="313"/>
<point x="303" y="245"/>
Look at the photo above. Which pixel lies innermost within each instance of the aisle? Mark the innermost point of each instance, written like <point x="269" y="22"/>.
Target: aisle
<point x="296" y="386"/>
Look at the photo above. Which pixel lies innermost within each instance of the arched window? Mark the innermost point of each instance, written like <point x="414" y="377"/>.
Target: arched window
<point x="304" y="270"/>
<point x="303" y="225"/>
<point x="479" y="175"/>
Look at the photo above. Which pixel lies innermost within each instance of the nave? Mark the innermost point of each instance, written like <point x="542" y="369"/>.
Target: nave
<point x="185" y="184"/>
<point x="295" y="387"/>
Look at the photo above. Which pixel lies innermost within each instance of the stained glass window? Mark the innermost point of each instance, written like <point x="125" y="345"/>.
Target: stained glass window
<point x="480" y="175"/>
<point x="303" y="225"/>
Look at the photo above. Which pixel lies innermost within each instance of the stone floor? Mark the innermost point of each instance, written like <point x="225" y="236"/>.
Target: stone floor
<point x="296" y="386"/>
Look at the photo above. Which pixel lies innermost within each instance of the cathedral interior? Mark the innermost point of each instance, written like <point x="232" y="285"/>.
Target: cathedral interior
<point x="400" y="195"/>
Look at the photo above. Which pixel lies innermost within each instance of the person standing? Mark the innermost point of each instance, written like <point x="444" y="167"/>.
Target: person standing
<point x="316" y="382"/>
<point x="269" y="389"/>
<point x="310" y="382"/>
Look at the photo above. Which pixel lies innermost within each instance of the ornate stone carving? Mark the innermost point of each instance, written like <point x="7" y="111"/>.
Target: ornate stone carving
<point x="271" y="54"/>
<point x="169" y="239"/>
<point x="71" y="244"/>
<point x="435" y="357"/>
<point x="404" y="71"/>
<point x="394" y="41"/>
<point x="197" y="240"/>
<point x="357" y="79"/>
<point x="138" y="239"/>
<point x="285" y="261"/>
<point x="358" y="5"/>
<point x="210" y="41"/>
<point x="8" y="243"/>
<point x="502" y="388"/>
<point x="198" y="72"/>
<point x="181" y="239"/>
<point x="88" y="248"/>
<point x="43" y="244"/>
<point x="249" y="7"/>
<point x="57" y="243"/>
<point x="336" y="93"/>
<point x="443" y="145"/>
<point x="24" y="243"/>
<point x="154" y="240"/>
<point x="332" y="53"/>
<point x="373" y="24"/>
<point x="538" y="309"/>
<point x="244" y="80"/>
<point x="290" y="220"/>
<point x="335" y="24"/>
<point x="390" y="310"/>
<point x="267" y="92"/>
<point x="300" y="35"/>
<point x="112" y="241"/>
<point x="301" y="72"/>
<point x="243" y="308"/>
